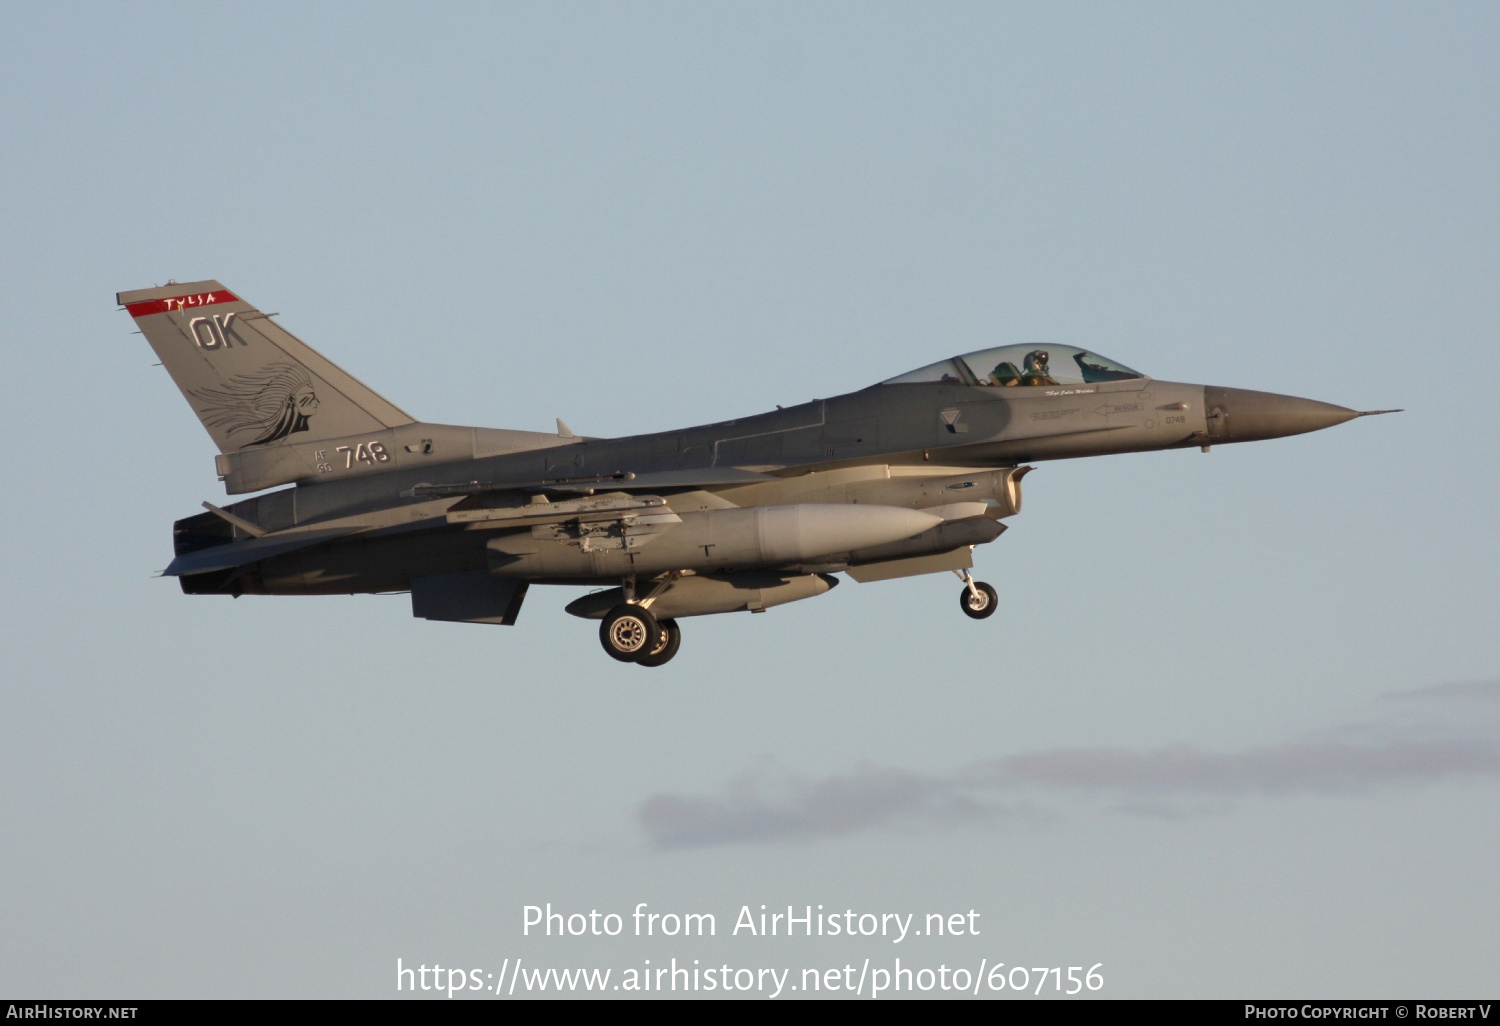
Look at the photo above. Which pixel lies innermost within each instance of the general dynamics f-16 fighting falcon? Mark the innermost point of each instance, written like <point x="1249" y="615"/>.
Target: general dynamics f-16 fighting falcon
<point x="901" y="478"/>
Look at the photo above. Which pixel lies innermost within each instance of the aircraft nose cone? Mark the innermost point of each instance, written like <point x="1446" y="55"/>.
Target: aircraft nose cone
<point x="1240" y="415"/>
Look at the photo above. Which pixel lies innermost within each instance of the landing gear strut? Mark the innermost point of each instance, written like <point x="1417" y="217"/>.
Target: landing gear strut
<point x="978" y="600"/>
<point x="632" y="634"/>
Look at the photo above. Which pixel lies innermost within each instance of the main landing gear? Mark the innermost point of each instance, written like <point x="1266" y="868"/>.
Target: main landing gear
<point x="978" y="600"/>
<point x="631" y="634"/>
<point x="668" y="642"/>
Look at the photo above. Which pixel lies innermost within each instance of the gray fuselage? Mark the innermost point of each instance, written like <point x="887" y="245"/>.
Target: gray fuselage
<point x="883" y="446"/>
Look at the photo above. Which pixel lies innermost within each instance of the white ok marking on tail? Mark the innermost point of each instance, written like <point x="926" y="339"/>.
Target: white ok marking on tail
<point x="209" y="332"/>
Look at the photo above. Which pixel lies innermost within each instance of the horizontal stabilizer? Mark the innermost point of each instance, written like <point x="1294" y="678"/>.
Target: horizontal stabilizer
<point x="251" y="550"/>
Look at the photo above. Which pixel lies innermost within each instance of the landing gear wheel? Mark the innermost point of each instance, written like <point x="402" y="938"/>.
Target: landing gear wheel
<point x="628" y="633"/>
<point x="980" y="602"/>
<point x="668" y="642"/>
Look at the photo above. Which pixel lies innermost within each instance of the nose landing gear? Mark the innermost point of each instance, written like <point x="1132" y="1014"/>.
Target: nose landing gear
<point x="978" y="600"/>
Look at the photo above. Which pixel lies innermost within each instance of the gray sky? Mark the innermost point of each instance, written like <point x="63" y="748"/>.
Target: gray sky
<point x="1236" y="728"/>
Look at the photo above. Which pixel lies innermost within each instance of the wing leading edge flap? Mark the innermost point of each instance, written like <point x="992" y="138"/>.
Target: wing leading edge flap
<point x="622" y="481"/>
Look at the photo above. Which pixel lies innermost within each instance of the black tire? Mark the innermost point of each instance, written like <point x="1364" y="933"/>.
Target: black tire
<point x="669" y="641"/>
<point x="627" y="633"/>
<point x="978" y="606"/>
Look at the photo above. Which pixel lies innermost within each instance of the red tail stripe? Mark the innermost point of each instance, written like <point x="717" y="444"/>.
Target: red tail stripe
<point x="185" y="302"/>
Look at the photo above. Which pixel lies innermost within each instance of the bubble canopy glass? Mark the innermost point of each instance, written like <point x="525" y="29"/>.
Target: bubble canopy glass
<point x="1021" y="366"/>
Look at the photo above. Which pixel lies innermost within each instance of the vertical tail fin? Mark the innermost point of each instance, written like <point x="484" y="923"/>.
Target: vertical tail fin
<point x="251" y="382"/>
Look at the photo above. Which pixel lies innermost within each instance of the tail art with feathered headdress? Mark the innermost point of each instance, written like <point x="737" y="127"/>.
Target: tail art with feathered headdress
<point x="273" y="402"/>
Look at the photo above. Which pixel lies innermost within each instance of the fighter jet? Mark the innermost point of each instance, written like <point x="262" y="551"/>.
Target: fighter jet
<point x="904" y="477"/>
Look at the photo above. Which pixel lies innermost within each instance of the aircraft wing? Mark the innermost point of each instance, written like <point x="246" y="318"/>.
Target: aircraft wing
<point x="624" y="481"/>
<point x="705" y="477"/>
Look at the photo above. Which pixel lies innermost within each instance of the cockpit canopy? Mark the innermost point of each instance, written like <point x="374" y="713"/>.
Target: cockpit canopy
<point x="1020" y="366"/>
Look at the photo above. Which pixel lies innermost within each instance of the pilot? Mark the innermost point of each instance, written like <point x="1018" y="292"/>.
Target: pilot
<point x="1005" y="374"/>
<point x="1036" y="372"/>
